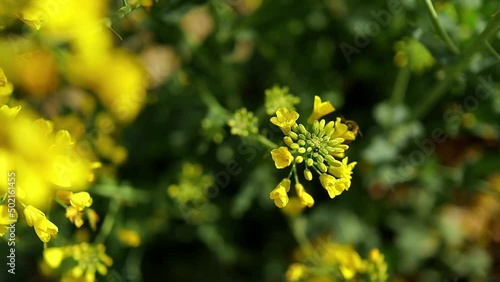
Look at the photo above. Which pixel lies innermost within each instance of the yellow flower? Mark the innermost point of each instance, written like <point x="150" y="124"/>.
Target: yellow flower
<point x="332" y="185"/>
<point x="281" y="157"/>
<point x="6" y="87"/>
<point x="44" y="228"/>
<point x="32" y="215"/>
<point x="75" y="216"/>
<point x="54" y="256"/>
<point x="10" y="113"/>
<point x="6" y="218"/>
<point x="80" y="200"/>
<point x="305" y="199"/>
<point x="285" y="119"/>
<point x="129" y="237"/>
<point x="343" y="171"/>
<point x="89" y="259"/>
<point x="342" y="131"/>
<point x="295" y="272"/>
<point x="279" y="194"/>
<point x="320" y="109"/>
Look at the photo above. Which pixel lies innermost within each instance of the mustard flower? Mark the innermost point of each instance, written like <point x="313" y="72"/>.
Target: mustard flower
<point x="80" y="200"/>
<point x="6" y="87"/>
<point x="320" y="109"/>
<point x="281" y="157"/>
<point x="332" y="185"/>
<point x="285" y="119"/>
<point x="279" y="97"/>
<point x="305" y="199"/>
<point x="44" y="228"/>
<point x="279" y="194"/>
<point x="343" y="171"/>
<point x="296" y="272"/>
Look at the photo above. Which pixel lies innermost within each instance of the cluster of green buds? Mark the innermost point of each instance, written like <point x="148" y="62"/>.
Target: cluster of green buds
<point x="320" y="148"/>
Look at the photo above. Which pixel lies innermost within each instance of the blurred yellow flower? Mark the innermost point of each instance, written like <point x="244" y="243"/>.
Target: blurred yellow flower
<point x="6" y="87"/>
<point x="281" y="157"/>
<point x="197" y="24"/>
<point x="54" y="256"/>
<point x="75" y="216"/>
<point x="285" y="119"/>
<point x="90" y="259"/>
<point x="279" y="194"/>
<point x="320" y="109"/>
<point x="129" y="237"/>
<point x="296" y="272"/>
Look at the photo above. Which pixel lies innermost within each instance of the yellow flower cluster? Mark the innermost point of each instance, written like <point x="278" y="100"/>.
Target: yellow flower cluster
<point x="332" y="261"/>
<point x="90" y="56"/>
<point x="318" y="148"/>
<point x="192" y="185"/>
<point x="75" y="204"/>
<point x="44" y="228"/>
<point x="89" y="259"/>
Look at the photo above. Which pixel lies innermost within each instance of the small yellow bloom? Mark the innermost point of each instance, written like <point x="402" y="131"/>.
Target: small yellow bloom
<point x="344" y="171"/>
<point x="332" y="185"/>
<point x="54" y="256"/>
<point x="285" y="119"/>
<point x="45" y="229"/>
<point x="295" y="272"/>
<point x="6" y="87"/>
<point x="80" y="200"/>
<point x="342" y="131"/>
<point x="279" y="194"/>
<point x="320" y="109"/>
<point x="9" y="112"/>
<point x="129" y="237"/>
<point x="75" y="216"/>
<point x="281" y="157"/>
<point x="33" y="215"/>
<point x="305" y="199"/>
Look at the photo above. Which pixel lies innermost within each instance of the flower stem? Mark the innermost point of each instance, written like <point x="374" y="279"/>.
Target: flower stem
<point x="400" y="86"/>
<point x="451" y="71"/>
<point x="266" y="142"/>
<point x="109" y="221"/>
<point x="435" y="21"/>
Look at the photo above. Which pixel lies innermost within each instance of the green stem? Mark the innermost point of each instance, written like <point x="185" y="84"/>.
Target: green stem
<point x="109" y="221"/>
<point x="439" y="90"/>
<point x="435" y="21"/>
<point x="266" y="142"/>
<point x="400" y="86"/>
<point x="492" y="50"/>
<point x="61" y="203"/>
<point x="298" y="225"/>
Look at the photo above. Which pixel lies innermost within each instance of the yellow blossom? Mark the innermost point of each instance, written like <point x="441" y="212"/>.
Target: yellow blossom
<point x="6" y="87"/>
<point x="281" y="157"/>
<point x="305" y="199"/>
<point x="90" y="259"/>
<point x="332" y="185"/>
<point x="44" y="228"/>
<point x="295" y="272"/>
<point x="54" y="256"/>
<point x="279" y="194"/>
<point x="342" y="131"/>
<point x="10" y="113"/>
<point x="343" y="171"/>
<point x="75" y="216"/>
<point x="6" y="218"/>
<point x="80" y="200"/>
<point x="285" y="119"/>
<point x="320" y="109"/>
<point x="129" y="237"/>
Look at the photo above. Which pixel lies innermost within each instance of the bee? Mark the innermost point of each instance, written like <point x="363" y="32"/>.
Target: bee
<point x="352" y="126"/>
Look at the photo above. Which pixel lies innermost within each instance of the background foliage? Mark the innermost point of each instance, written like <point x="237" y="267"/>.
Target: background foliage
<point x="427" y="184"/>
